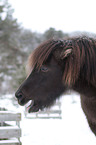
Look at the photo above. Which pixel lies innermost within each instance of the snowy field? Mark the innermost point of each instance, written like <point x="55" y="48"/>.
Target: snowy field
<point x="72" y="129"/>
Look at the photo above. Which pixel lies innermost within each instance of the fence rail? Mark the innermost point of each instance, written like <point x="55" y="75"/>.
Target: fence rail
<point x="10" y="134"/>
<point x="54" y="112"/>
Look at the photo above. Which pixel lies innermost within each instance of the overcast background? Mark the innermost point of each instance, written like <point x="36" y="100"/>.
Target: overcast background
<point x="66" y="15"/>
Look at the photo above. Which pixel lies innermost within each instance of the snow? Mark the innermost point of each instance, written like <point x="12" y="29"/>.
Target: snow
<point x="72" y="129"/>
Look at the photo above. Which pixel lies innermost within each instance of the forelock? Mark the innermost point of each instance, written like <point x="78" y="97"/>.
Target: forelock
<point x="41" y="53"/>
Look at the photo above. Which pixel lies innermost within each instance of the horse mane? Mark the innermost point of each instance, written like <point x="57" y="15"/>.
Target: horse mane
<point x="77" y="53"/>
<point x="41" y="53"/>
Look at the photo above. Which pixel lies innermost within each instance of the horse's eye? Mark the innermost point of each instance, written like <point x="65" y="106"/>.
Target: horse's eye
<point x="44" y="69"/>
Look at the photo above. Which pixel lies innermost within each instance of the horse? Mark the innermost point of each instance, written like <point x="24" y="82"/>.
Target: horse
<point x="59" y="65"/>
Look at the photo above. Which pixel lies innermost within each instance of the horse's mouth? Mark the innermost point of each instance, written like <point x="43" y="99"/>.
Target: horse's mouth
<point x="32" y="106"/>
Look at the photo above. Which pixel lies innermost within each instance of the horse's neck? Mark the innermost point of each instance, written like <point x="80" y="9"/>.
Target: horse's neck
<point x="84" y="88"/>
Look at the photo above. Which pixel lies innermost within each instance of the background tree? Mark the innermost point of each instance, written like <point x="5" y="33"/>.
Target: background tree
<point x="10" y="58"/>
<point x="52" y="33"/>
<point x="9" y="27"/>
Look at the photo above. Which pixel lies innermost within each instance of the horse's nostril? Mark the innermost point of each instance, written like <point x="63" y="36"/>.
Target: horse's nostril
<point x="18" y="95"/>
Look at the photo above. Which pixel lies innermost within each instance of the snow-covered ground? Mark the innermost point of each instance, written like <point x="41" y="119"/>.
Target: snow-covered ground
<point x="72" y="129"/>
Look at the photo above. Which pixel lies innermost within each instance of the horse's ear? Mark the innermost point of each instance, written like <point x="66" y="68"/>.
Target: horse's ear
<point x="65" y="53"/>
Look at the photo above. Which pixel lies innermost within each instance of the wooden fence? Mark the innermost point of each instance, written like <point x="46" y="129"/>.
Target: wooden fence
<point x="10" y="131"/>
<point x="53" y="112"/>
